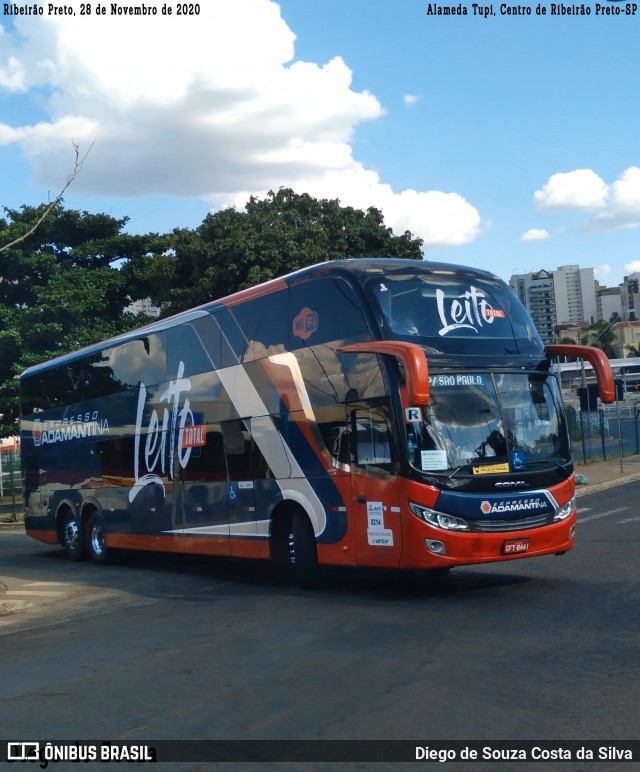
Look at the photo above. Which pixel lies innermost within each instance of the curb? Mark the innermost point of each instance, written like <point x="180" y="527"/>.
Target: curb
<point x="12" y="526"/>
<point x="594" y="487"/>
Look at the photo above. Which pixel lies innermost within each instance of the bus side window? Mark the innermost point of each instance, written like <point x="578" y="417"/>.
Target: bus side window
<point x="325" y="311"/>
<point x="371" y="436"/>
<point x="244" y="459"/>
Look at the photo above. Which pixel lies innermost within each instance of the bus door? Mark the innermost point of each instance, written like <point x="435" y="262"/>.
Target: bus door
<point x="241" y="498"/>
<point x="376" y="505"/>
<point x="205" y="490"/>
<point x="255" y="458"/>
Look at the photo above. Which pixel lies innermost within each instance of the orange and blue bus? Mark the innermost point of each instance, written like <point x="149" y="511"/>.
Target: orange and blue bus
<point x="367" y="412"/>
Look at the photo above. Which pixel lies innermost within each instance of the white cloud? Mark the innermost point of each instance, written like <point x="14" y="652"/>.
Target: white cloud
<point x="622" y="207"/>
<point x="212" y="106"/>
<point x="410" y="99"/>
<point x="535" y="234"/>
<point x="633" y="267"/>
<point x="580" y="189"/>
<point x="614" y="206"/>
<point x="439" y="218"/>
<point x="602" y="271"/>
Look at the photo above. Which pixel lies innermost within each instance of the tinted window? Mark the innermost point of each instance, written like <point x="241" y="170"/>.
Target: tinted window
<point x="371" y="436"/>
<point x="449" y="311"/>
<point x="51" y="388"/>
<point x="263" y="321"/>
<point x="141" y="361"/>
<point x="233" y="341"/>
<point x="125" y="367"/>
<point x="98" y="375"/>
<point x="324" y="311"/>
<point x="244" y="459"/>
<point x="184" y="345"/>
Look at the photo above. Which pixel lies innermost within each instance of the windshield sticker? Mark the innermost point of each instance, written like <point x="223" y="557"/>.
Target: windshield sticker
<point x="456" y="380"/>
<point x="377" y="534"/>
<point x="433" y="460"/>
<point x="305" y="324"/>
<point x="413" y="415"/>
<point x="469" y="311"/>
<point x="518" y="460"/>
<point x="491" y="469"/>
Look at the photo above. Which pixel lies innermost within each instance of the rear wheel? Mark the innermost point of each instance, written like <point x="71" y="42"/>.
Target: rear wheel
<point x="71" y="536"/>
<point x="96" y="547"/>
<point x="303" y="555"/>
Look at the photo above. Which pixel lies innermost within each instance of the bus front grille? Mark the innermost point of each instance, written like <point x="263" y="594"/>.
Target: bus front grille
<point x="535" y="521"/>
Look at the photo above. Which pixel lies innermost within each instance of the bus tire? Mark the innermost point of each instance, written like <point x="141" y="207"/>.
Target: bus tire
<point x="97" y="549"/>
<point x="303" y="555"/>
<point x="71" y="536"/>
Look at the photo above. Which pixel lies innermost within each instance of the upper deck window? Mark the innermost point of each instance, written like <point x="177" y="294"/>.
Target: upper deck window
<point x="453" y="313"/>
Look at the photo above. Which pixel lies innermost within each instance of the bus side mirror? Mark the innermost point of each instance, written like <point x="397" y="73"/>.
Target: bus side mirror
<point x="412" y="357"/>
<point x="596" y="358"/>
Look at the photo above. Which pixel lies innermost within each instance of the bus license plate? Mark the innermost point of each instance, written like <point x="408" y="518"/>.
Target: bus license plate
<point x="515" y="546"/>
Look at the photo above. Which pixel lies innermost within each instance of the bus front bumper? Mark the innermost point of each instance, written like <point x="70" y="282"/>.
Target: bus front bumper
<point x="425" y="546"/>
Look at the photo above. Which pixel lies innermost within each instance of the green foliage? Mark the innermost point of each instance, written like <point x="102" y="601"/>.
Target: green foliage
<point x="60" y="289"/>
<point x="602" y="336"/>
<point x="281" y="233"/>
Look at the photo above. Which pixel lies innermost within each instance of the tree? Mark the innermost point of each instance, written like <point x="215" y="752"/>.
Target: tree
<point x="601" y="335"/>
<point x="61" y="288"/>
<point x="285" y="231"/>
<point x="31" y="228"/>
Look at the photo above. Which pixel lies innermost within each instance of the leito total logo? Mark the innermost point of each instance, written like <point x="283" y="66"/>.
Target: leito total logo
<point x="305" y="324"/>
<point x="37" y="432"/>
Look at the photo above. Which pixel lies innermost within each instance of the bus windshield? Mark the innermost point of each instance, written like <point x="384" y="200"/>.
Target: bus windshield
<point x="488" y="423"/>
<point x="453" y="314"/>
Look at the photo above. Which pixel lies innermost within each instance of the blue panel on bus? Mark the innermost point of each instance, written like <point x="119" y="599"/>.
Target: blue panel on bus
<point x="504" y="506"/>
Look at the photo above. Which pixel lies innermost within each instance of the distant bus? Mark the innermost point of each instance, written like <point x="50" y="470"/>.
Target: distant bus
<point x="365" y="412"/>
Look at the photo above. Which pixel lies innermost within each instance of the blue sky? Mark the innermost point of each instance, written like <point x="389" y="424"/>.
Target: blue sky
<point x="508" y="143"/>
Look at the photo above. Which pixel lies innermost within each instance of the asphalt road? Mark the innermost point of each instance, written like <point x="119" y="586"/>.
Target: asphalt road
<point x="165" y="648"/>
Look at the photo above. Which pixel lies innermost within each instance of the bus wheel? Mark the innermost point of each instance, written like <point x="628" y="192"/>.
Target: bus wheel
<point x="303" y="556"/>
<point x="96" y="547"/>
<point x="71" y="536"/>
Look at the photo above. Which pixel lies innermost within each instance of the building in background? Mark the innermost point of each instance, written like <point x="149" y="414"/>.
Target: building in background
<point x="630" y="298"/>
<point x="627" y="340"/>
<point x="145" y="307"/>
<point x="536" y="293"/>
<point x="575" y="295"/>
<point x="609" y="302"/>
<point x="570" y="297"/>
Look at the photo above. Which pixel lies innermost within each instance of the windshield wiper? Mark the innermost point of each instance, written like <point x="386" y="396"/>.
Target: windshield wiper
<point x="455" y="471"/>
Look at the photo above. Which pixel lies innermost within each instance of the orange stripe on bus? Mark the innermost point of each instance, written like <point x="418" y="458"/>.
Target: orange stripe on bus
<point x="48" y="537"/>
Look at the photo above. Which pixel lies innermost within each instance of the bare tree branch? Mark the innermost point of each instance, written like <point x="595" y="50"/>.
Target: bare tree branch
<point x="77" y="166"/>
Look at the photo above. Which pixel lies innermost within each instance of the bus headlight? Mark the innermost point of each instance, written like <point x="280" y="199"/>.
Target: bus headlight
<point x="438" y="519"/>
<point x="565" y="510"/>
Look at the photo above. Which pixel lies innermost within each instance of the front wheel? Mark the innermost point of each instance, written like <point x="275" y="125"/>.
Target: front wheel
<point x="71" y="536"/>
<point x="96" y="547"/>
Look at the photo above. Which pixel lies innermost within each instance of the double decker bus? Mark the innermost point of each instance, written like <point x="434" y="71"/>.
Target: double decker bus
<point x="365" y="412"/>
